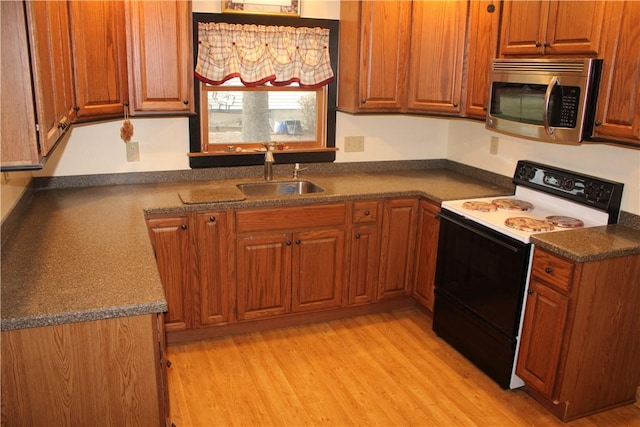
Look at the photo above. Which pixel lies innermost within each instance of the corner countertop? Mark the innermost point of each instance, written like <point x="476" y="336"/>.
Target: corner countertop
<point x="591" y="244"/>
<point x="84" y="254"/>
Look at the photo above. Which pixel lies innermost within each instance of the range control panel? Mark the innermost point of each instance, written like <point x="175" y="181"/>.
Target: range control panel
<point x="585" y="189"/>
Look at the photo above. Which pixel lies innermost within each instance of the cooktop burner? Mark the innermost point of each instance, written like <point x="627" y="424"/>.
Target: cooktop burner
<point x="565" y="221"/>
<point x="478" y="206"/>
<point x="513" y="205"/>
<point x="528" y="224"/>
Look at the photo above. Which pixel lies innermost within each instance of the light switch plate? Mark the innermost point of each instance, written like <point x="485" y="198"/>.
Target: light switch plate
<point x="133" y="151"/>
<point x="353" y="143"/>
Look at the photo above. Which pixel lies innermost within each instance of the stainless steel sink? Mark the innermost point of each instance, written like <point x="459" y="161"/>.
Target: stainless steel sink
<point x="279" y="188"/>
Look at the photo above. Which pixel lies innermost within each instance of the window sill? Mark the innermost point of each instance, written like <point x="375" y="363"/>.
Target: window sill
<point x="260" y="152"/>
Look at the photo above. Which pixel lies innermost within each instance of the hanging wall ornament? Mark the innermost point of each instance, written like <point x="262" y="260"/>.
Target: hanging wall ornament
<point x="126" y="130"/>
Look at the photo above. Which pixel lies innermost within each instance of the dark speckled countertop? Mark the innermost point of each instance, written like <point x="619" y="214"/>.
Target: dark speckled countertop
<point x="84" y="253"/>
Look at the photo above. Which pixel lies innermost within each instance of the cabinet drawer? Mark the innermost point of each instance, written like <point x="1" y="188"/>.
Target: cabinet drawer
<point x="270" y="219"/>
<point x="365" y="211"/>
<point x="552" y="269"/>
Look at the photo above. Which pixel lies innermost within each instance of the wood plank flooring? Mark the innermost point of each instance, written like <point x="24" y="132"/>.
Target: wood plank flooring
<point x="385" y="369"/>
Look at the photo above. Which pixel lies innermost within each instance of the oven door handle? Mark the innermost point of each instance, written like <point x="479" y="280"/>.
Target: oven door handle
<point x="479" y="232"/>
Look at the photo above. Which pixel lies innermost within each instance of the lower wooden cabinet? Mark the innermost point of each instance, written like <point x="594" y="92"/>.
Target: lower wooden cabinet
<point x="289" y="269"/>
<point x="171" y="241"/>
<point x="364" y="256"/>
<point x="397" y="247"/>
<point x="580" y="346"/>
<point x="426" y="253"/>
<point x="102" y="372"/>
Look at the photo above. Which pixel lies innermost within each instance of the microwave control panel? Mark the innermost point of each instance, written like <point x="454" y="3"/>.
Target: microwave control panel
<point x="568" y="116"/>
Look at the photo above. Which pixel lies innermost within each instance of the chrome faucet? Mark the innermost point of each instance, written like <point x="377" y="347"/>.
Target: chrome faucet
<point x="297" y="169"/>
<point x="268" y="161"/>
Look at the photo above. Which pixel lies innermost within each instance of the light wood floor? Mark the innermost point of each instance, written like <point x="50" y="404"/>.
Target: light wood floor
<point x="385" y="369"/>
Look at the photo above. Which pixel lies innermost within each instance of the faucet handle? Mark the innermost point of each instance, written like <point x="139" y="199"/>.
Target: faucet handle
<point x="297" y="169"/>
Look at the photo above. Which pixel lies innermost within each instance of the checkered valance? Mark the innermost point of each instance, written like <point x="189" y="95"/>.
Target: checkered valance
<point x="259" y="54"/>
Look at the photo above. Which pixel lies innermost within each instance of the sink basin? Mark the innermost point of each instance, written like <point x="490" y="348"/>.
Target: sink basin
<point x="279" y="188"/>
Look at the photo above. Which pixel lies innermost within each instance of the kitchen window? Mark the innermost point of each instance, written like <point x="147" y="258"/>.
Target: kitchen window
<point x="238" y="110"/>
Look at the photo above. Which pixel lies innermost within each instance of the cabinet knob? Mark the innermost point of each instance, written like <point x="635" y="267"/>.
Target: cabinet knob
<point x="598" y="123"/>
<point x="212" y="218"/>
<point x="538" y="44"/>
<point x="185" y="102"/>
<point x="288" y="242"/>
<point x="455" y="104"/>
<point x="183" y="226"/>
<point x="126" y="103"/>
<point x="76" y="108"/>
<point x="297" y="241"/>
<point x="357" y="235"/>
<point x="62" y="125"/>
<point x="546" y="44"/>
<point x="548" y="270"/>
<point x="168" y="363"/>
<point x="530" y="291"/>
<point x="367" y="212"/>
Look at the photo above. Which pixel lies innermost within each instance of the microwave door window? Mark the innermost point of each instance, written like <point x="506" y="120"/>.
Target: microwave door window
<point x="519" y="102"/>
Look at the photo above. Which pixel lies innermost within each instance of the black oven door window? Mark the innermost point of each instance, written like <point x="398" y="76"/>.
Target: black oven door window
<point x="483" y="271"/>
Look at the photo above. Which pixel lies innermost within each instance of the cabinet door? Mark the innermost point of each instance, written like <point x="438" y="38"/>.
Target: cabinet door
<point x="100" y="57"/>
<point x="363" y="263"/>
<point x="617" y="115"/>
<point x="542" y="332"/>
<point x="318" y="269"/>
<point x="574" y="28"/>
<point x="215" y="291"/>
<point x="374" y="41"/>
<point x="263" y="275"/>
<point x="160" y="65"/>
<point x="171" y="243"/>
<point x="397" y="248"/>
<point x="438" y="31"/>
<point x="19" y="141"/>
<point x="523" y="27"/>
<point x="483" y="31"/>
<point x="426" y="253"/>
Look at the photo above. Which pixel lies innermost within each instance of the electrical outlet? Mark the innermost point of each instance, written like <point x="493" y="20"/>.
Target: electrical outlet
<point x="353" y="143"/>
<point x="493" y="148"/>
<point x="133" y="151"/>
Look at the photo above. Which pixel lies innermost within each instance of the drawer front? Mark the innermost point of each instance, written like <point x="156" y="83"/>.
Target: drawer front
<point x="270" y="219"/>
<point x="364" y="212"/>
<point x="553" y="270"/>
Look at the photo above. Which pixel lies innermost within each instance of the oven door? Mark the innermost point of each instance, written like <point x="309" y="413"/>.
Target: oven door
<point x="481" y="277"/>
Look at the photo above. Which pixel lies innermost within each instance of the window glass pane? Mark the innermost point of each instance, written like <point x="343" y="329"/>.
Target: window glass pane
<point x="261" y="115"/>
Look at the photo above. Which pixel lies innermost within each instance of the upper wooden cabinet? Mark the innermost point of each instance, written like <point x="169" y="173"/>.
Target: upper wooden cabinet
<point x="617" y="116"/>
<point x="401" y="56"/>
<point x="374" y="43"/>
<point x="134" y="53"/>
<point x="37" y="81"/>
<point x="534" y="28"/>
<point x="436" y="56"/>
<point x="482" y="33"/>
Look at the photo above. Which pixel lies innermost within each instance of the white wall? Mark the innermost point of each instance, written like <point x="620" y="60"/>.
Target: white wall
<point x="469" y="144"/>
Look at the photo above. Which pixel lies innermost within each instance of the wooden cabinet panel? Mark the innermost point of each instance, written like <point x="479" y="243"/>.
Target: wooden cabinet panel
<point x="397" y="252"/>
<point x="86" y="373"/>
<point x="263" y="275"/>
<point x="426" y="253"/>
<point x="617" y="115"/>
<point x="100" y="57"/>
<point x="363" y="263"/>
<point x="483" y="31"/>
<point x="436" y="56"/>
<point x="374" y="44"/>
<point x="171" y="245"/>
<point x="533" y="28"/>
<point x="555" y="271"/>
<point x="270" y="219"/>
<point x="543" y="329"/>
<point x="160" y="64"/>
<point x="318" y="269"/>
<point x="215" y="291"/>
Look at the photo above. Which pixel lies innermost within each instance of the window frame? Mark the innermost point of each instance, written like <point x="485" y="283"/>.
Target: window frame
<point x="200" y="159"/>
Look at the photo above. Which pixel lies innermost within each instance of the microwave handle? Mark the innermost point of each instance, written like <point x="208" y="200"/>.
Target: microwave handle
<point x="547" y="99"/>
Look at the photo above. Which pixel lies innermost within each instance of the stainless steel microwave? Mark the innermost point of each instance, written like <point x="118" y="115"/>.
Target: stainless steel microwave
<point x="551" y="100"/>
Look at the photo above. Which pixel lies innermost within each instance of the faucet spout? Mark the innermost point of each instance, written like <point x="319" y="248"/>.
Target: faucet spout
<point x="268" y="162"/>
